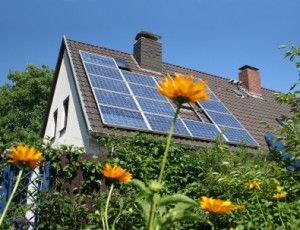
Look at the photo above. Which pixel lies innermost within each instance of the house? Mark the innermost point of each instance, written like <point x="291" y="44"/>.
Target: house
<point x="98" y="90"/>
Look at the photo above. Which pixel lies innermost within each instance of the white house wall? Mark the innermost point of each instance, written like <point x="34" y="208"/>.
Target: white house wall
<point x="76" y="132"/>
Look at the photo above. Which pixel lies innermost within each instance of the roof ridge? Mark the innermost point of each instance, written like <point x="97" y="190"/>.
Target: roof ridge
<point x="165" y="63"/>
<point x="92" y="45"/>
<point x="212" y="75"/>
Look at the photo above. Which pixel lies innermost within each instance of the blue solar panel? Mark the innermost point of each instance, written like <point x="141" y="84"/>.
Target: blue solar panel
<point x="163" y="124"/>
<point x="238" y="136"/>
<point x="164" y="108"/>
<point x="212" y="96"/>
<point x="115" y="99"/>
<point x="118" y="107"/>
<point x="213" y="105"/>
<point x="201" y="129"/>
<point x="139" y="78"/>
<point x="103" y="71"/>
<point x="224" y="119"/>
<point x="94" y="58"/>
<point x="122" y="117"/>
<point x="110" y="84"/>
<point x="145" y="91"/>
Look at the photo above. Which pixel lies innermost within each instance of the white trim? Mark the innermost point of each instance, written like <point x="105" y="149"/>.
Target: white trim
<point x="77" y="87"/>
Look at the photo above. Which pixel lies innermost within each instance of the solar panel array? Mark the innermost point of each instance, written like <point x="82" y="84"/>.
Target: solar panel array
<point x="232" y="129"/>
<point x="130" y="100"/>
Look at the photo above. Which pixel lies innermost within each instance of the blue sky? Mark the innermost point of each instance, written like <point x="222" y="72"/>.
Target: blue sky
<point x="213" y="36"/>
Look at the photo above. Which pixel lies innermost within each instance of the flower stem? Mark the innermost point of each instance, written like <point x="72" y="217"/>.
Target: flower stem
<point x="11" y="196"/>
<point x="260" y="207"/>
<point x="168" y="144"/>
<point x="103" y="223"/>
<point x="280" y="216"/>
<point x="154" y="198"/>
<point x="106" y="207"/>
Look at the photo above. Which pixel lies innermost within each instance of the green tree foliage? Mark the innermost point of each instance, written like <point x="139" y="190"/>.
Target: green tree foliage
<point x="22" y="105"/>
<point x="291" y="130"/>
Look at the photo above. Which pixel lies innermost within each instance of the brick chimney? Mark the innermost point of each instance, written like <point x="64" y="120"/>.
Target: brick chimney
<point x="147" y="51"/>
<point x="251" y="79"/>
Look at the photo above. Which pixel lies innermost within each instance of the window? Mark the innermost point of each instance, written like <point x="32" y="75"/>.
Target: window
<point x="54" y="124"/>
<point x="65" y="115"/>
<point x="122" y="64"/>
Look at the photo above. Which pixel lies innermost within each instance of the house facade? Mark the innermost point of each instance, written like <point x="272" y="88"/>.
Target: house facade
<point x="100" y="91"/>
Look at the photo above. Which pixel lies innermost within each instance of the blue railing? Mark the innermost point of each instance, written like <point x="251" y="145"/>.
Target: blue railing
<point x="32" y="182"/>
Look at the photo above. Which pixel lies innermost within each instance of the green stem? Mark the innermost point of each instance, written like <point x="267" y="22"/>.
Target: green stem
<point x="260" y="207"/>
<point x="152" y="211"/>
<point x="168" y="144"/>
<point x="11" y="196"/>
<point x="103" y="223"/>
<point x="279" y="209"/>
<point x="213" y="222"/>
<point x="106" y="207"/>
<point x="154" y="198"/>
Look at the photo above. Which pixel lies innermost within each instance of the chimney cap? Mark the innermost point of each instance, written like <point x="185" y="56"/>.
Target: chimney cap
<point x="148" y="35"/>
<point x="248" y="67"/>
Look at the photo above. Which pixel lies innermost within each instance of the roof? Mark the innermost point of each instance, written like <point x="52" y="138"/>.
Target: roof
<point x="248" y="110"/>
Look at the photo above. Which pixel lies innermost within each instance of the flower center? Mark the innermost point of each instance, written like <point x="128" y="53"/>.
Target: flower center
<point x="181" y="99"/>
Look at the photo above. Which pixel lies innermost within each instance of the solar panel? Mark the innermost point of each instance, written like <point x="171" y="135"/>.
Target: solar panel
<point x="128" y="99"/>
<point x="212" y="96"/>
<point x="122" y="117"/>
<point x="238" y="136"/>
<point x="147" y="92"/>
<point x="214" y="106"/>
<point x="109" y="84"/>
<point x="201" y="129"/>
<point x="103" y="71"/>
<point x="224" y="119"/>
<point x="139" y="78"/>
<point x="163" y="108"/>
<point x="163" y="124"/>
<point x="115" y="99"/>
<point x="101" y="60"/>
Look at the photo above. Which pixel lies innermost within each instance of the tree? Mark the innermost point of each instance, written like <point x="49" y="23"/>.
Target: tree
<point x="22" y="105"/>
<point x="291" y="130"/>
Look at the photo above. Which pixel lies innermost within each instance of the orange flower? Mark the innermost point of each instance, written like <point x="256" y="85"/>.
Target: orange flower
<point x="22" y="154"/>
<point x="218" y="206"/>
<point x="253" y="184"/>
<point x="280" y="195"/>
<point x="116" y="172"/>
<point x="183" y="90"/>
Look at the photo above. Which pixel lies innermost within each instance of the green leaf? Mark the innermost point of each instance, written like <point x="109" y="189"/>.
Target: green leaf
<point x="175" y="199"/>
<point x="140" y="185"/>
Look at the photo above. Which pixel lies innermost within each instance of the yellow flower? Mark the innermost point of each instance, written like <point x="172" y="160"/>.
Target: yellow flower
<point x="280" y="195"/>
<point x="279" y="188"/>
<point x="116" y="172"/>
<point x="240" y="207"/>
<point x="217" y="205"/>
<point x="253" y="184"/>
<point x="183" y="90"/>
<point x="22" y="154"/>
